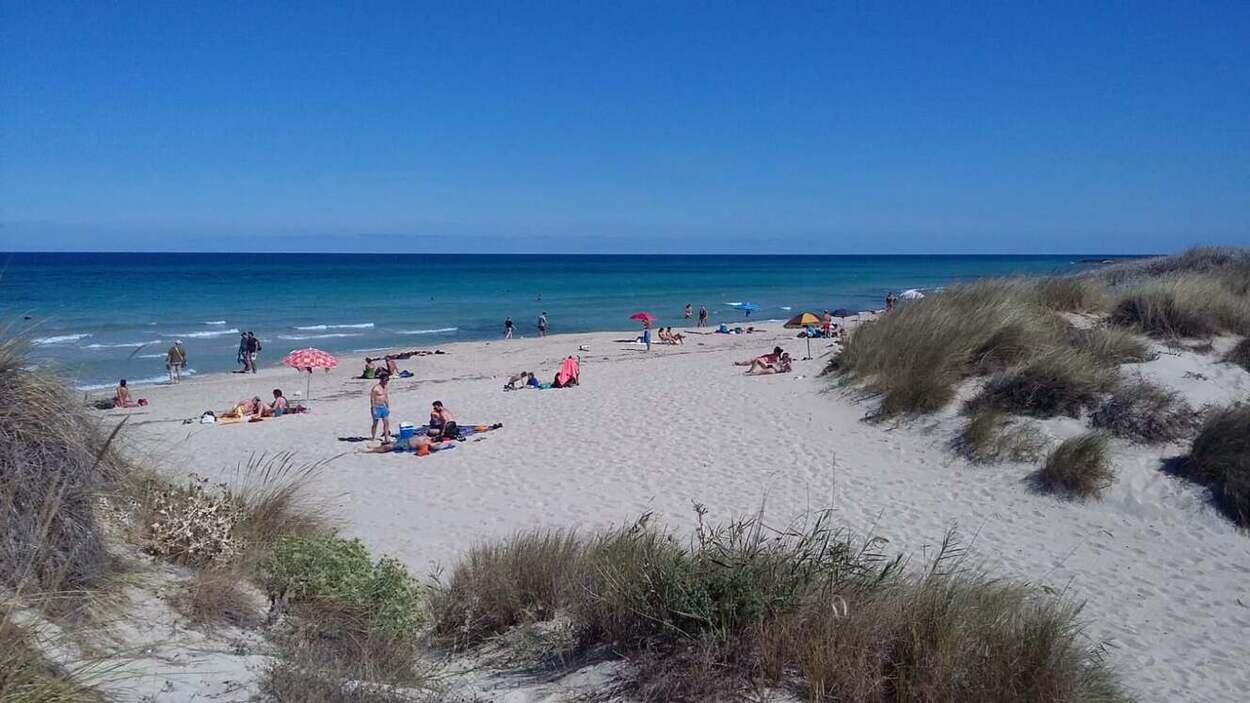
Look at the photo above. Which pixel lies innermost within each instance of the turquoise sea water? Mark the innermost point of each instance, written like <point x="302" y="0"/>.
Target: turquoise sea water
<point x="99" y="317"/>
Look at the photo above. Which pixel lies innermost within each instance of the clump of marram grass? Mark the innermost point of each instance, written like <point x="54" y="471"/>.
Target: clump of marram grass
<point x="26" y="676"/>
<point x="989" y="436"/>
<point x="55" y="463"/>
<point x="1145" y="412"/>
<point x="744" y="606"/>
<point x="1240" y="354"/>
<point x="1228" y="264"/>
<point x="1071" y="294"/>
<point x="1220" y="458"/>
<point x="1184" y="306"/>
<point x="1111" y="346"/>
<point x="1059" y="382"/>
<point x="1079" y="467"/>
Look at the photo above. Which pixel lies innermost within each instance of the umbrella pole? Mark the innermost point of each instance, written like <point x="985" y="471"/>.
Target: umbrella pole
<point x="308" y="387"/>
<point x="809" y="349"/>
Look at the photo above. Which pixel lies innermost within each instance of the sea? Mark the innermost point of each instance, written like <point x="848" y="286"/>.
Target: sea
<point x="95" y="318"/>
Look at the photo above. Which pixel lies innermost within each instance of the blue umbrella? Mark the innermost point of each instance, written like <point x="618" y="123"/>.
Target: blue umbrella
<point x="748" y="308"/>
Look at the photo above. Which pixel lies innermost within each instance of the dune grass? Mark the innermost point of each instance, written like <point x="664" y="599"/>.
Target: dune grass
<point x="990" y="436"/>
<point x="1071" y="294"/>
<point x="1110" y="346"/>
<point x="1144" y="412"/>
<point x="27" y="677"/>
<point x="809" y="608"/>
<point x="1220" y="458"/>
<point x="1061" y="381"/>
<point x="1194" y="305"/>
<point x="1080" y="467"/>
<point x="1240" y="354"/>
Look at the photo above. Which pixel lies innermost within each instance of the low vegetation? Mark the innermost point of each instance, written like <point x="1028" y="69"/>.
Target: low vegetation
<point x="1062" y="381"/>
<point x="1110" y="346"/>
<point x="810" y="609"/>
<point x="1071" y="294"/>
<point x="990" y="436"/>
<point x="1141" y="411"/>
<point x="1184" y="306"/>
<point x="1220" y="458"/>
<point x="1079" y="467"/>
<point x="1240" y="354"/>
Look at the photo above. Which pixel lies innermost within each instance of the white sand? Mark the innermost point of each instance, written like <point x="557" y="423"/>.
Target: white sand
<point x="1164" y="574"/>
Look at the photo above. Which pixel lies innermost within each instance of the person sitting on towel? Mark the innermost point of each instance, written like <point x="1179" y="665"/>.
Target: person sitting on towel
<point x="121" y="397"/>
<point x="279" y="405"/>
<point x="782" y="365"/>
<point x="442" y="423"/>
<point x="764" y="359"/>
<point x="569" y="373"/>
<point x="522" y="378"/>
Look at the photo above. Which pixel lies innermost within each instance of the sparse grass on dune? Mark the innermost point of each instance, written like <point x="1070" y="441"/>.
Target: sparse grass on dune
<point x="1079" y="467"/>
<point x="989" y="436"/>
<point x="810" y="609"/>
<point x="1229" y="264"/>
<point x="1063" y="381"/>
<point x="1144" y="412"/>
<point x="1110" y="346"/>
<point x="1240" y="354"/>
<point x="1220" y="458"/>
<point x="26" y="677"/>
<point x="1071" y="294"/>
<point x="1194" y="305"/>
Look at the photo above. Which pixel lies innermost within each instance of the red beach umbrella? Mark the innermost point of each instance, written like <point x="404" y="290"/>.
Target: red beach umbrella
<point x="643" y="317"/>
<point x="307" y="360"/>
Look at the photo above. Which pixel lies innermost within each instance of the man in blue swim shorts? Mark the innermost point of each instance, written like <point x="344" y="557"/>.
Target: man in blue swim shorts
<point x="379" y="408"/>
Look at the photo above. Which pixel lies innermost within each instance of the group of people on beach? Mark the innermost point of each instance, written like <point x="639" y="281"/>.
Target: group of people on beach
<point x="688" y="313"/>
<point x="255" y="408"/>
<point x="777" y="361"/>
<point x="441" y="426"/>
<point x="509" y="327"/>
<point x="249" y="349"/>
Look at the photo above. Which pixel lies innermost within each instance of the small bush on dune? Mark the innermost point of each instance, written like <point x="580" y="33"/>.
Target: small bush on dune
<point x="1144" y="412"/>
<point x="1060" y="382"/>
<point x="1071" y="294"/>
<point x="988" y="437"/>
<point x="1240" y="354"/>
<point x="1111" y="346"/>
<point x="1189" y="306"/>
<point x="1078" y="467"/>
<point x="1220" y="457"/>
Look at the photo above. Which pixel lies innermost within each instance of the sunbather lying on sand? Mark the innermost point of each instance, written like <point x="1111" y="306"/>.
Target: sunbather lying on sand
<point x="764" y="359"/>
<point x="409" y="440"/>
<point x="759" y="368"/>
<point x="521" y="380"/>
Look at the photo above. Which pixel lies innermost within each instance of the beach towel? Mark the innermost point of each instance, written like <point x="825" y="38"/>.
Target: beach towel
<point x="569" y="371"/>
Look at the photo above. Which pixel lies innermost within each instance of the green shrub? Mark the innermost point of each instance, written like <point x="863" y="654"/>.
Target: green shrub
<point x="1144" y="412"/>
<point x="1060" y="382"/>
<point x="1220" y="457"/>
<point x="1240" y="354"/>
<point x="339" y="573"/>
<point x="1078" y="467"/>
<point x="989" y="437"/>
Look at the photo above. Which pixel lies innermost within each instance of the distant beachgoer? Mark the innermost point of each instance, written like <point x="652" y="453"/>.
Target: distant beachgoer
<point x="772" y="358"/>
<point x="175" y="361"/>
<point x="391" y="366"/>
<point x="253" y="349"/>
<point x="781" y="365"/>
<point x="703" y="316"/>
<point x="242" y="356"/>
<point x="826" y="324"/>
<point x="675" y="337"/>
<point x="371" y="371"/>
<point x="379" y="408"/>
<point x="279" y="405"/>
<point x="542" y="325"/>
<point x="442" y="423"/>
<point x="418" y="443"/>
<point x="121" y="397"/>
<point x="646" y="333"/>
<point x="890" y="300"/>
<point x="689" y="312"/>
<point x="520" y="378"/>
<point x="507" y="328"/>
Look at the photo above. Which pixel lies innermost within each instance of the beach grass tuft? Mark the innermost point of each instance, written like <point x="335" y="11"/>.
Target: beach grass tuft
<point x="1111" y="346"/>
<point x="1062" y="381"/>
<point x="1142" y="411"/>
<point x="989" y="436"/>
<point x="1079" y="467"/>
<point x="1220" y="458"/>
<point x="1072" y="294"/>
<point x="27" y="677"/>
<point x="1240" y="354"/>
<point x="1192" y="305"/>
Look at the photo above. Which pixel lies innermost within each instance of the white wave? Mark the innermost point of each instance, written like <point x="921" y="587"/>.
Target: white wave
<point x="62" y="339"/>
<point x="150" y="356"/>
<point x="440" y="330"/>
<point x="131" y="382"/>
<point x="360" y="326"/>
<point x="734" y="304"/>
<point x="332" y="335"/>
<point x="369" y="349"/>
<point x="198" y="335"/>
<point x="215" y="322"/>
<point x="787" y="308"/>
<point x="123" y="345"/>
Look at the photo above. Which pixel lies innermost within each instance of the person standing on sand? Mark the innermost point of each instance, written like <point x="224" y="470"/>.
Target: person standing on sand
<point x="253" y="349"/>
<point x="507" y="328"/>
<point x="890" y="300"/>
<point x="689" y="312"/>
<point x="646" y="333"/>
<point x="175" y="360"/>
<point x="242" y="356"/>
<point x="542" y="325"/>
<point x="380" y="408"/>
<point x="703" y="316"/>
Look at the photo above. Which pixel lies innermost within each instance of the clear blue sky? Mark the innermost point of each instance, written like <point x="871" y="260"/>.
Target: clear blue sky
<point x="625" y="126"/>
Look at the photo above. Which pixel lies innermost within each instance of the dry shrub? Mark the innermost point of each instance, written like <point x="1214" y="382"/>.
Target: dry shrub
<point x="1071" y="294"/>
<point x="1184" y="306"/>
<point x="217" y="595"/>
<point x="1111" y="346"/>
<point x="55" y="463"/>
<point x="1240" y="354"/>
<point x="989" y="437"/>
<point x="1079" y="467"/>
<point x="501" y="584"/>
<point x="810" y="607"/>
<point x="193" y="525"/>
<point x="1060" y="382"/>
<point x="1144" y="412"/>
<point x="1220" y="458"/>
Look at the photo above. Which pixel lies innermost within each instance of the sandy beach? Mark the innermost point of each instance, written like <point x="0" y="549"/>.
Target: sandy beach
<point x="1163" y="574"/>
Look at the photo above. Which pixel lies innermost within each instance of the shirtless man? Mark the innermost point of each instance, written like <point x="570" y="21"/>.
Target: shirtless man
<point x="442" y="423"/>
<point x="762" y="360"/>
<point x="379" y="408"/>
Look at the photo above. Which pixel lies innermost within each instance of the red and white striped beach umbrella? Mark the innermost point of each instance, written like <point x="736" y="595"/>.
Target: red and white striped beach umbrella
<point x="307" y="360"/>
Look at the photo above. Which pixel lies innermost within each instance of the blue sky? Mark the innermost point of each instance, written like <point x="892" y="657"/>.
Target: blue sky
<point x="634" y="127"/>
